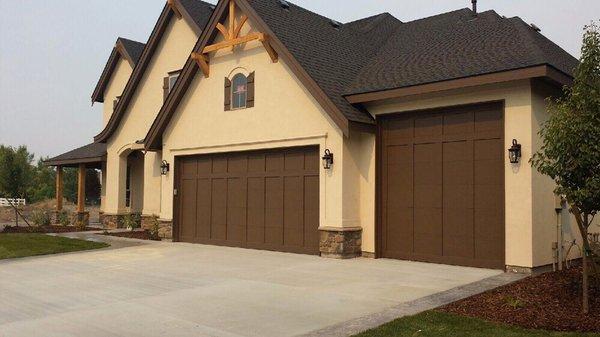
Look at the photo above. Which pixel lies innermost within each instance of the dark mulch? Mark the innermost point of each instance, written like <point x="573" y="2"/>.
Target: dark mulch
<point x="550" y="301"/>
<point x="140" y="235"/>
<point x="46" y="229"/>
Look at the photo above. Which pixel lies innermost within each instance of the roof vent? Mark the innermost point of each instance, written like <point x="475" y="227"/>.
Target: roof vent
<point x="211" y="6"/>
<point x="335" y="24"/>
<point x="536" y="28"/>
<point x="284" y="4"/>
<point x="474" y="2"/>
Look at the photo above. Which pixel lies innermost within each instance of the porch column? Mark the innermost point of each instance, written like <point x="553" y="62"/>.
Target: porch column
<point x="81" y="189"/>
<point x="59" y="188"/>
<point x="82" y="217"/>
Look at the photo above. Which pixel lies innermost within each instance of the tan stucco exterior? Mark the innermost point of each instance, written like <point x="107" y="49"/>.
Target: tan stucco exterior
<point x="170" y="55"/>
<point x="285" y="114"/>
<point x="114" y="88"/>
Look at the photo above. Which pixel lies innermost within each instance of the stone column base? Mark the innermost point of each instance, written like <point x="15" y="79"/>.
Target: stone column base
<point x="101" y="217"/>
<point x="340" y="243"/>
<point x="81" y="219"/>
<point x="112" y="221"/>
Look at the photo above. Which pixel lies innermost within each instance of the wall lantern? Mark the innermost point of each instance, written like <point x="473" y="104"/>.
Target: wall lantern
<point x="327" y="160"/>
<point x="514" y="153"/>
<point x="164" y="168"/>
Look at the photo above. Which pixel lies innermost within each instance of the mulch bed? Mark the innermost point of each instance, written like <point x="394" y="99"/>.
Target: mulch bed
<point x="550" y="301"/>
<point x="140" y="235"/>
<point x="47" y="229"/>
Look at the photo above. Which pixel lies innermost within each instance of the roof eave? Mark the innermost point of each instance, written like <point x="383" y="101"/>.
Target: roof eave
<point x="540" y="71"/>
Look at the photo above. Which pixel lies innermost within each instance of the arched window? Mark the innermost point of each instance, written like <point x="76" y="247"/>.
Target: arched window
<point x="239" y="91"/>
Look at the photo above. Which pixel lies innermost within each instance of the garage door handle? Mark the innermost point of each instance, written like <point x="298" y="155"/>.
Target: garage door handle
<point x="175" y="191"/>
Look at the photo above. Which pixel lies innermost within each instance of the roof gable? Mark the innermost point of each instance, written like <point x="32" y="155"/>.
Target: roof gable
<point x="125" y="49"/>
<point x="145" y="59"/>
<point x="314" y="49"/>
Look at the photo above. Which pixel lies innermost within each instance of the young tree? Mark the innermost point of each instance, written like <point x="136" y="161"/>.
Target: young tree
<point x="571" y="144"/>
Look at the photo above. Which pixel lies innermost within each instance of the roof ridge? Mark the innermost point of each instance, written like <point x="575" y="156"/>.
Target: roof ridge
<point x="129" y="40"/>
<point x="440" y="15"/>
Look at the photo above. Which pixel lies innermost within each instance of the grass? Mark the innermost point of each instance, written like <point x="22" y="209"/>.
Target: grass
<point x="22" y="245"/>
<point x="437" y="324"/>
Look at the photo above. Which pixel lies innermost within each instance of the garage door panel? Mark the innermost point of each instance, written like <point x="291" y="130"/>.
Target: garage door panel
<point x="274" y="211"/>
<point x="219" y="209"/>
<point x="399" y="230"/>
<point x="293" y="209"/>
<point x="203" y="207"/>
<point x="294" y="161"/>
<point x="219" y="164"/>
<point x="458" y="232"/>
<point x="449" y="165"/>
<point x="274" y="162"/>
<point x="188" y="196"/>
<point x="236" y="210"/>
<point x="256" y="210"/>
<point x="428" y="231"/>
<point x="204" y="166"/>
<point x="237" y="164"/>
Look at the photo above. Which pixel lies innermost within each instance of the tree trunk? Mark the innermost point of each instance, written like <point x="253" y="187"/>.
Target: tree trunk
<point x="583" y="222"/>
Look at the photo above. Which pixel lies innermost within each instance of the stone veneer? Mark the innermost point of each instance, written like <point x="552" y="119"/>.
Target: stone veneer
<point x="112" y="221"/>
<point x="340" y="243"/>
<point x="165" y="227"/>
<point x="82" y="218"/>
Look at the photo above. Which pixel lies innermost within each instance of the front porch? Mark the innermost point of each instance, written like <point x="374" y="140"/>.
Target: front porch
<point x="88" y="157"/>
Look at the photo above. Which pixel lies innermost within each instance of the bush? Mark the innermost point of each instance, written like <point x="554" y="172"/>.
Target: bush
<point x="63" y="218"/>
<point x="154" y="230"/>
<point x="40" y="218"/>
<point x="132" y="221"/>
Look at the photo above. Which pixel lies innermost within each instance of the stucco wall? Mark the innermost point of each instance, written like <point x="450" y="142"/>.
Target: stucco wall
<point x="285" y="114"/>
<point x="518" y="178"/>
<point x="115" y="87"/>
<point x="170" y="55"/>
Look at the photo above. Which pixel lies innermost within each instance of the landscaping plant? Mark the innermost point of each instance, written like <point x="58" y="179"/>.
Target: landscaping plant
<point x="570" y="153"/>
<point x="132" y="221"/>
<point x="40" y="218"/>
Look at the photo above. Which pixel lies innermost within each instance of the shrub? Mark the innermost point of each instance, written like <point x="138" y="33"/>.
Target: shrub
<point x="40" y="218"/>
<point x="154" y="229"/>
<point x="63" y="218"/>
<point x="514" y="302"/>
<point x="132" y="221"/>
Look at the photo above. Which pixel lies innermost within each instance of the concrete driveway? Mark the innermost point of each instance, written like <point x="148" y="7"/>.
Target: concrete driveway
<point x="165" y="289"/>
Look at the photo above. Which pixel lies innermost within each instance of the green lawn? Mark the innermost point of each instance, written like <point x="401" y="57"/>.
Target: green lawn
<point x="437" y="324"/>
<point x="22" y="245"/>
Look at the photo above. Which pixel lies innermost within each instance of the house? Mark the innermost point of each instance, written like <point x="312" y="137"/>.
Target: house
<point x="259" y="124"/>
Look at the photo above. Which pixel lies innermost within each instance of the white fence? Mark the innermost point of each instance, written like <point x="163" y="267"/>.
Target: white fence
<point x="4" y="202"/>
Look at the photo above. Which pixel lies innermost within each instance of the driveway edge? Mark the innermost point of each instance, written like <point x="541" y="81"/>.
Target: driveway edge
<point x="356" y="326"/>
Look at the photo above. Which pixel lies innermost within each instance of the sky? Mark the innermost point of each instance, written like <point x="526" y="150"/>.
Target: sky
<point x="53" y="52"/>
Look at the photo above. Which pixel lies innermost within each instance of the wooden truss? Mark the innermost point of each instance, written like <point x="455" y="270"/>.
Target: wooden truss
<point x="232" y="38"/>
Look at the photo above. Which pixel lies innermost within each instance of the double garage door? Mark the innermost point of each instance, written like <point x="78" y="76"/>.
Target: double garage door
<point x="442" y="186"/>
<point x="262" y="200"/>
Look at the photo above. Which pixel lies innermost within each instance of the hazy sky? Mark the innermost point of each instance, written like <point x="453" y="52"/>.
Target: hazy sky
<point x="53" y="52"/>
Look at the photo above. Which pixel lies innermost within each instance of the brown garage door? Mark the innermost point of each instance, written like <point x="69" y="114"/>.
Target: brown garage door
<point x="263" y="200"/>
<point x="442" y="186"/>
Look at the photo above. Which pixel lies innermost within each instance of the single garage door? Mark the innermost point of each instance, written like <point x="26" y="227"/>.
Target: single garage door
<point x="262" y="200"/>
<point x="442" y="186"/>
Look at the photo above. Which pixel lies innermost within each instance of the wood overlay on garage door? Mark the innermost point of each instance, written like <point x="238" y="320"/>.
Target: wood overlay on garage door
<point x="442" y="186"/>
<point x="262" y="199"/>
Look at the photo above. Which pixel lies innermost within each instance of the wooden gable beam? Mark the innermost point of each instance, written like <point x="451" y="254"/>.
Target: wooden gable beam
<point x="174" y="8"/>
<point x="203" y="63"/>
<point x="233" y="42"/>
<point x="241" y="24"/>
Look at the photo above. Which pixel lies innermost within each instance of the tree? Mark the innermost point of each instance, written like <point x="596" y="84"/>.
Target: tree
<point x="43" y="184"/>
<point x="570" y="153"/>
<point x="15" y="171"/>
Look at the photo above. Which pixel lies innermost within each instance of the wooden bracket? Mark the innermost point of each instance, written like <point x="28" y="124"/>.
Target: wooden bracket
<point x="203" y="63"/>
<point x="174" y="8"/>
<point x="272" y="53"/>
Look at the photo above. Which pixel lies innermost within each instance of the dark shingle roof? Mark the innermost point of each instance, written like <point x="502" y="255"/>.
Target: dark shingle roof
<point x="455" y="45"/>
<point x="133" y="48"/>
<point x="85" y="154"/>
<point x="200" y="11"/>
<point x="331" y="56"/>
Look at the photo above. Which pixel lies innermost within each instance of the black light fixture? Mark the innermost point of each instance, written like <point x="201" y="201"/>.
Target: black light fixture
<point x="514" y="153"/>
<point x="327" y="160"/>
<point x="164" y="168"/>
